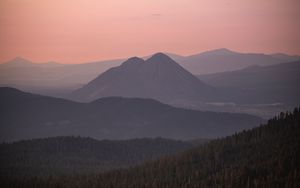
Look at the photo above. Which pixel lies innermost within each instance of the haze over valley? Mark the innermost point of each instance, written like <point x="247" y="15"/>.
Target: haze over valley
<point x="205" y="93"/>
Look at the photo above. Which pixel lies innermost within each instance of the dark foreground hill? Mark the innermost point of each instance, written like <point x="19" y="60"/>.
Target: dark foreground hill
<point x="267" y="156"/>
<point x="25" y="116"/>
<point x="78" y="155"/>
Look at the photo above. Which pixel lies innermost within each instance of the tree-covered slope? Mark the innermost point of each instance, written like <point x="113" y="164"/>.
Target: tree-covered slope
<point x="267" y="156"/>
<point x="78" y="155"/>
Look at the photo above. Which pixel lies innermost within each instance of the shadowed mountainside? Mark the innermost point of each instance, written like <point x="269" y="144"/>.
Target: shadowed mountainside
<point x="24" y="115"/>
<point x="159" y="77"/>
<point x="271" y="84"/>
<point x="221" y="60"/>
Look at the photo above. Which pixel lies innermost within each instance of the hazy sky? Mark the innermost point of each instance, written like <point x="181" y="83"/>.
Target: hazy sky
<point x="74" y="31"/>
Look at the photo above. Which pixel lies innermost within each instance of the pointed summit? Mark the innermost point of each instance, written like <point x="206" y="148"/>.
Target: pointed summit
<point x="18" y="62"/>
<point x="133" y="60"/>
<point x="220" y="51"/>
<point x="159" y="77"/>
<point x="221" y="60"/>
<point x="159" y="57"/>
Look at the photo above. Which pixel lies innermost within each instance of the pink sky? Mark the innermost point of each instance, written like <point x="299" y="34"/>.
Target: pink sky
<point x="76" y="31"/>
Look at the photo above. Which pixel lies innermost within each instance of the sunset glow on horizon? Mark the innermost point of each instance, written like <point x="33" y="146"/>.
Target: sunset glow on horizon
<point x="77" y="31"/>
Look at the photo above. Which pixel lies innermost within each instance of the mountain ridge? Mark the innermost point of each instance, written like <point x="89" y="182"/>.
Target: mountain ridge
<point x="158" y="77"/>
<point x="220" y="60"/>
<point x="269" y="84"/>
<point x="61" y="80"/>
<point x="113" y="117"/>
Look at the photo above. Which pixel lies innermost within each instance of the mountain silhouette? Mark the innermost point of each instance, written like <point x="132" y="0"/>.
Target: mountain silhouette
<point x="286" y="57"/>
<point x="220" y="60"/>
<point x="260" y="84"/>
<point x="25" y="115"/>
<point x="54" y="79"/>
<point x="20" y="62"/>
<point x="50" y="78"/>
<point x="17" y="62"/>
<point x="159" y="77"/>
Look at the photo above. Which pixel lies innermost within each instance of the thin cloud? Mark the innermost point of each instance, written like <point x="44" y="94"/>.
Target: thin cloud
<point x="156" y="14"/>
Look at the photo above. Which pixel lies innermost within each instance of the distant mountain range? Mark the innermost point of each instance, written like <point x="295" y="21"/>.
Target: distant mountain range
<point x="159" y="77"/>
<point x="258" y="90"/>
<point x="260" y="84"/>
<point x="50" y="78"/>
<point x="221" y="60"/>
<point x="57" y="79"/>
<point x="20" y="62"/>
<point x="285" y="57"/>
<point x="25" y="115"/>
<point x="80" y="155"/>
<point x="269" y="91"/>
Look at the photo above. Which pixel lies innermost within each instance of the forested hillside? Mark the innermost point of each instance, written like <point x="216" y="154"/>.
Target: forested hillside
<point x="78" y="155"/>
<point x="267" y="156"/>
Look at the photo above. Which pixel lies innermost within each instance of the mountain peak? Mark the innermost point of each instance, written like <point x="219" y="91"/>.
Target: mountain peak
<point x="161" y="57"/>
<point x="133" y="60"/>
<point x="19" y="60"/>
<point x="219" y="51"/>
<point x="159" y="77"/>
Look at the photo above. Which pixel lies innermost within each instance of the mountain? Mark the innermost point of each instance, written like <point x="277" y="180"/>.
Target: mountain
<point x="159" y="77"/>
<point x="266" y="156"/>
<point x="261" y="84"/>
<point x="221" y="60"/>
<point x="78" y="155"/>
<point x="171" y="55"/>
<point x="285" y="57"/>
<point x="25" y="116"/>
<point x="50" y="78"/>
<point x="20" y="62"/>
<point x="35" y="77"/>
<point x="55" y="79"/>
<point x="17" y="62"/>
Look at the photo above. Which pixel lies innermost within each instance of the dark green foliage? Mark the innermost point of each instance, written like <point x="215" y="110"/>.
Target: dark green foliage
<point x="77" y="155"/>
<point x="267" y="156"/>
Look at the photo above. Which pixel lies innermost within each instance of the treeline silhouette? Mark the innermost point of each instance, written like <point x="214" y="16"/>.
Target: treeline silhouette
<point x="78" y="155"/>
<point x="266" y="156"/>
